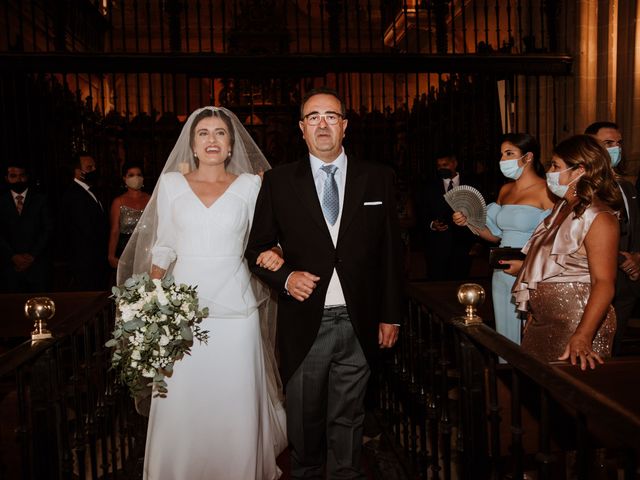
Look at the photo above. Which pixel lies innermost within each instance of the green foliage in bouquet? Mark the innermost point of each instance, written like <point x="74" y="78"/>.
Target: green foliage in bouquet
<point x="156" y="324"/>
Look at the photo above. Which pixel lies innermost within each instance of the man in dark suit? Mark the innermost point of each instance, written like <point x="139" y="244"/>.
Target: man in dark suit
<point x="340" y="286"/>
<point x="85" y="228"/>
<point x="25" y="235"/>
<point x="627" y="283"/>
<point x="447" y="246"/>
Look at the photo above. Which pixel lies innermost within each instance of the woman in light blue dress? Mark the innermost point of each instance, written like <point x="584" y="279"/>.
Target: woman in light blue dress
<point x="521" y="206"/>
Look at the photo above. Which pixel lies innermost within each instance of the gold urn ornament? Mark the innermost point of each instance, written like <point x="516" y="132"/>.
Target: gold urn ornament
<point x="39" y="310"/>
<point x="472" y="295"/>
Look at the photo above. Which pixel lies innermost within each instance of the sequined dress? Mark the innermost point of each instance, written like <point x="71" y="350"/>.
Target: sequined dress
<point x="554" y="284"/>
<point x="128" y="220"/>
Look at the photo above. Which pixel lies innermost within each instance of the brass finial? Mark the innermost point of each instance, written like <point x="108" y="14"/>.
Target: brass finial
<point x="471" y="295"/>
<point x="39" y="310"/>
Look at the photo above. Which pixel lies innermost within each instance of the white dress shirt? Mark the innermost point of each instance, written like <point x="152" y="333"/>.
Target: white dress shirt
<point x="456" y="181"/>
<point x="335" y="296"/>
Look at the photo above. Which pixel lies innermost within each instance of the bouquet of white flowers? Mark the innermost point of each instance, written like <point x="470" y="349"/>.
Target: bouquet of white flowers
<point x="155" y="326"/>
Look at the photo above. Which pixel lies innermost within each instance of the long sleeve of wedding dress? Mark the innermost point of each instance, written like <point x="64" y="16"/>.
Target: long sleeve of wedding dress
<point x="218" y="420"/>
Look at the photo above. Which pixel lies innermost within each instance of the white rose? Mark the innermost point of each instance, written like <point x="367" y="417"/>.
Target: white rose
<point x="136" y="355"/>
<point x="134" y="364"/>
<point x="162" y="298"/>
<point x="149" y="373"/>
<point x="126" y="313"/>
<point x="164" y="340"/>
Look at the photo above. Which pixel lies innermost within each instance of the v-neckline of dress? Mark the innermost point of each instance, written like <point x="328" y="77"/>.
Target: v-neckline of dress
<point x="216" y="200"/>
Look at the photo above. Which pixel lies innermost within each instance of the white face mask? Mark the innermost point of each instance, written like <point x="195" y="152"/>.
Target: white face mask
<point x="553" y="182"/>
<point x="134" y="182"/>
<point x="511" y="169"/>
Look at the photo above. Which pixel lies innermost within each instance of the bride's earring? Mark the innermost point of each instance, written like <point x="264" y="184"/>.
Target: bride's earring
<point x="229" y="154"/>
<point x="195" y="155"/>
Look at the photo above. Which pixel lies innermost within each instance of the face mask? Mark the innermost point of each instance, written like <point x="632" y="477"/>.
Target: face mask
<point x="90" y="178"/>
<point x="553" y="182"/>
<point x="18" y="187"/>
<point x="134" y="182"/>
<point x="444" y="173"/>
<point x="614" y="153"/>
<point x="510" y="168"/>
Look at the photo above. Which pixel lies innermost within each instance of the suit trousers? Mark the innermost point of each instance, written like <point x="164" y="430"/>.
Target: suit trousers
<point x="325" y="403"/>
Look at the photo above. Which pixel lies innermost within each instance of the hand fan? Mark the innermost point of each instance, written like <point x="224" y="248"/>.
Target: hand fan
<point x="469" y="201"/>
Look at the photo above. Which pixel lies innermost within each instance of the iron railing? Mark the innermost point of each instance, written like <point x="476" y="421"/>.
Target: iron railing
<point x="285" y="26"/>
<point x="457" y="412"/>
<point x="63" y="416"/>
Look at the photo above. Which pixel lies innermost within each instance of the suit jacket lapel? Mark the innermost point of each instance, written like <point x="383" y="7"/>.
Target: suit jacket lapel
<point x="305" y="188"/>
<point x="94" y="204"/>
<point x="10" y="204"/>
<point x="353" y="195"/>
<point x="27" y="203"/>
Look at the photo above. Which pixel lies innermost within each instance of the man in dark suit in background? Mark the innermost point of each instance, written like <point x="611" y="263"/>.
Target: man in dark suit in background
<point x="84" y="228"/>
<point x="25" y="235"/>
<point x="340" y="286"/>
<point x="447" y="245"/>
<point x="627" y="281"/>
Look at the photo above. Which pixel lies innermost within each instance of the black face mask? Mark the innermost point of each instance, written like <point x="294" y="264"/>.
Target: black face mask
<point x="19" y="187"/>
<point x="90" y="178"/>
<point x="444" y="173"/>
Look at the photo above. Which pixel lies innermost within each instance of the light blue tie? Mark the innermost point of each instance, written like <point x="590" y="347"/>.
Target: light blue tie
<point x="330" y="198"/>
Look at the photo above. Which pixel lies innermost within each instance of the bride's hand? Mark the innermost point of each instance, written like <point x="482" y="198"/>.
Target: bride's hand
<point x="270" y="259"/>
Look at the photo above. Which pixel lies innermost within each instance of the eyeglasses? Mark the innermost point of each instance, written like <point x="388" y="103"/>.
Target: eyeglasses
<point x="331" y="118"/>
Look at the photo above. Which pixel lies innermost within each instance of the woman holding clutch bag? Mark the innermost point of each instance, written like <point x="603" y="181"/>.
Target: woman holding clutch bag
<point x="521" y="206"/>
<point x="567" y="281"/>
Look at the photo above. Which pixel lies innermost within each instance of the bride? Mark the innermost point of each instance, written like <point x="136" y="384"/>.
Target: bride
<point x="223" y="416"/>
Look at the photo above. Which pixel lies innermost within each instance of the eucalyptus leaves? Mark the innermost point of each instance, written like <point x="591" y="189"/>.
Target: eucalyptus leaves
<point x="156" y="324"/>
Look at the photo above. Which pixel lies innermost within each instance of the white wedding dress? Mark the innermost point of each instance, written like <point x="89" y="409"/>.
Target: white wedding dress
<point x="218" y="420"/>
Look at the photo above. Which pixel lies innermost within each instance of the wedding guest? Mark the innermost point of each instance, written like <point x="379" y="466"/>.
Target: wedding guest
<point x="84" y="228"/>
<point x="448" y="247"/>
<point x="222" y="417"/>
<point x="126" y="210"/>
<point x="340" y="286"/>
<point x="522" y="204"/>
<point x="627" y="285"/>
<point x="567" y="281"/>
<point x="26" y="229"/>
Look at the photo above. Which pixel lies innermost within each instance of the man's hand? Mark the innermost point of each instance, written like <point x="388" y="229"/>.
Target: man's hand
<point x="630" y="265"/>
<point x="387" y="335"/>
<point x="300" y="285"/>
<point x="22" y="261"/>
<point x="439" y="226"/>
